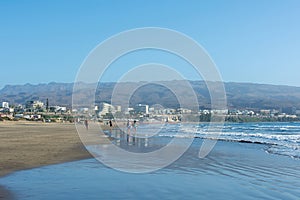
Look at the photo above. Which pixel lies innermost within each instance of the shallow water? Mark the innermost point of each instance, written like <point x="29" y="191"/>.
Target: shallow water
<point x="281" y="138"/>
<point x="232" y="170"/>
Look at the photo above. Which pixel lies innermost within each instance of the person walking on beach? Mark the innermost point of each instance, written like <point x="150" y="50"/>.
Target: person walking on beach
<point x="110" y="125"/>
<point x="86" y="124"/>
<point x="128" y="127"/>
<point x="134" y="125"/>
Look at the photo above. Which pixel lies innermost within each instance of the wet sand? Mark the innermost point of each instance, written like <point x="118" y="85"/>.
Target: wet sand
<point x="5" y="194"/>
<point x="231" y="171"/>
<point x="26" y="145"/>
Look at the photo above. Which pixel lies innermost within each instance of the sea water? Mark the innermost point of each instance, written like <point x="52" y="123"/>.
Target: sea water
<point x="250" y="161"/>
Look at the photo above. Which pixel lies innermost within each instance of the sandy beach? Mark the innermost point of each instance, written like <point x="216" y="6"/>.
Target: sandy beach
<point x="26" y="145"/>
<point x="261" y="168"/>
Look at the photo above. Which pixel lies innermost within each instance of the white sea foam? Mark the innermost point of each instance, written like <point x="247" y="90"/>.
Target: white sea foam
<point x="281" y="138"/>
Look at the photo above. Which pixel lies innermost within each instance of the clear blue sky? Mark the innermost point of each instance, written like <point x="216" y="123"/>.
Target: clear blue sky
<point x="250" y="41"/>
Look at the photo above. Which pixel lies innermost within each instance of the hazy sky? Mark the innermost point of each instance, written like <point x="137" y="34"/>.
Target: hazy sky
<point x="250" y="41"/>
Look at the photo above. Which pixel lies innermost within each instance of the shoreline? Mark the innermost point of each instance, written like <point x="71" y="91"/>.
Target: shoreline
<point x="27" y="145"/>
<point x="240" y="170"/>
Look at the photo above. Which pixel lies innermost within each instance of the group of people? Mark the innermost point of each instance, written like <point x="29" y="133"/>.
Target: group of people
<point x="131" y="125"/>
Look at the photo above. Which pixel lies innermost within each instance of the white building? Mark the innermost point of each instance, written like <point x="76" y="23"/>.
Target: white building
<point x="58" y="109"/>
<point x="38" y="104"/>
<point x="118" y="108"/>
<point x="142" y="108"/>
<point x="5" y="105"/>
<point x="34" y="104"/>
<point x="220" y="112"/>
<point x="85" y="110"/>
<point x="184" y="111"/>
<point x="106" y="108"/>
<point x="128" y="111"/>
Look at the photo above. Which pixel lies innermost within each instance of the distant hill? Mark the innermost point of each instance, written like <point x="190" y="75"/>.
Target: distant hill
<point x="58" y="93"/>
<point x="239" y="95"/>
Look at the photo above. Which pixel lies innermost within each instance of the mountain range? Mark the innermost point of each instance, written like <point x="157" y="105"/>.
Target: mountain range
<point x="239" y="95"/>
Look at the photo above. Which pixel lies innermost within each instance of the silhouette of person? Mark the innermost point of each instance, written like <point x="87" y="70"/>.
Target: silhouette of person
<point x="86" y="124"/>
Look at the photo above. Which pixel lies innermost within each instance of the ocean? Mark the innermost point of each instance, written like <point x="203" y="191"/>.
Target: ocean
<point x="249" y="161"/>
